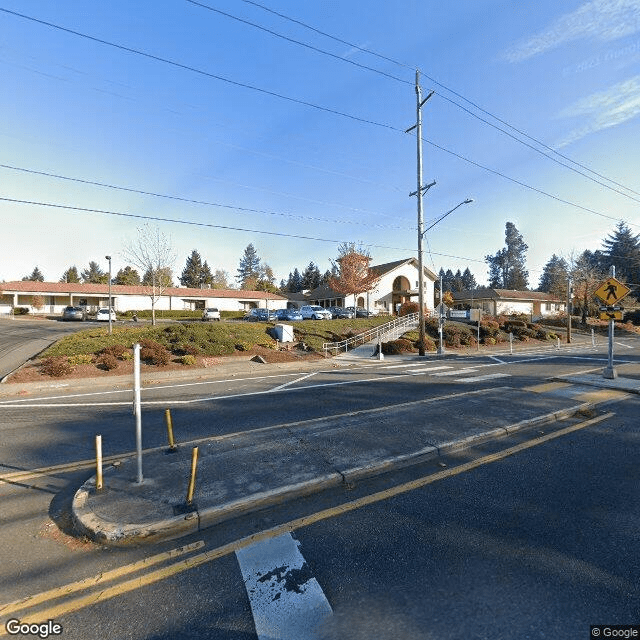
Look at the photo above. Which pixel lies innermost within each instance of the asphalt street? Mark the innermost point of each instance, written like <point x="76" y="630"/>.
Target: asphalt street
<point x="539" y="544"/>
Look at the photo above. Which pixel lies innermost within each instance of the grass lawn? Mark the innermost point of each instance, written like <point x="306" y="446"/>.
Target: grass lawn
<point x="210" y="339"/>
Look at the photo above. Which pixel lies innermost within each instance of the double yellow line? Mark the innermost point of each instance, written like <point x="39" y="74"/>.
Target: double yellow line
<point x="107" y="592"/>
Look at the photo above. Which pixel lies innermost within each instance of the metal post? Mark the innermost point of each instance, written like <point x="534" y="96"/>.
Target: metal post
<point x="172" y="444"/>
<point x="511" y="342"/>
<point x="609" y="371"/>
<point x="192" y="477"/>
<point x="109" y="259"/>
<point x="440" y="320"/>
<point x="593" y="337"/>
<point x="98" y="463"/>
<point x="569" y="311"/>
<point x="137" y="409"/>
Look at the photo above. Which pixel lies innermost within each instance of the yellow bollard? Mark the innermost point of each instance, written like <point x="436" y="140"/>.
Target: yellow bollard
<point x="98" y="463"/>
<point x="192" y="479"/>
<point x="172" y="444"/>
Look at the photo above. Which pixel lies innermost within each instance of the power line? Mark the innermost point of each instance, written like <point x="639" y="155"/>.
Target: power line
<point x="294" y="100"/>
<point x="298" y="42"/>
<point x="459" y="95"/>
<point x="106" y="185"/>
<point x="209" y="225"/>
<point x="201" y="72"/>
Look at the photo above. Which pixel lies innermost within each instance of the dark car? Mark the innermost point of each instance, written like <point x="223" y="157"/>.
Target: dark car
<point x="74" y="313"/>
<point x="260" y="315"/>
<point x="290" y="315"/>
<point x="361" y="312"/>
<point x="340" y="312"/>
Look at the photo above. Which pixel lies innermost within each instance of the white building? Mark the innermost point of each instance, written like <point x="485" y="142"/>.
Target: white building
<point x="53" y="297"/>
<point x="398" y="282"/>
<point x="496" y="302"/>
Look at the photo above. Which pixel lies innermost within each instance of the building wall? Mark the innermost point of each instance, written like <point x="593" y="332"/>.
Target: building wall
<point x="383" y="294"/>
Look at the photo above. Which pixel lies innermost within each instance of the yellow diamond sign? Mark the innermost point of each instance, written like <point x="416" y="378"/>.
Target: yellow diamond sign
<point x="611" y="291"/>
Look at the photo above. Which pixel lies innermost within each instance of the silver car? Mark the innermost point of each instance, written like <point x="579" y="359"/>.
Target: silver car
<point x="314" y="312"/>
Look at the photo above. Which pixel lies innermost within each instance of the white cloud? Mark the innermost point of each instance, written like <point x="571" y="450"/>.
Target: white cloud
<point x="603" y="20"/>
<point x="604" y="109"/>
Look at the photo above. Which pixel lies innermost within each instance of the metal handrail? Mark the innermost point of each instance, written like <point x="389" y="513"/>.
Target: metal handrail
<point x="375" y="333"/>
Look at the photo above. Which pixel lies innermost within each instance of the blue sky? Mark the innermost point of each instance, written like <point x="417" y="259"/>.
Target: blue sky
<point x="339" y="168"/>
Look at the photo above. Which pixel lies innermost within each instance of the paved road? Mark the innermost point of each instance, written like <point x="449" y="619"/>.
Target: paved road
<point x="23" y="338"/>
<point x="491" y="549"/>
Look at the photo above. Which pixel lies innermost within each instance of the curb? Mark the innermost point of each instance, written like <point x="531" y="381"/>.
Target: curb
<point x="103" y="531"/>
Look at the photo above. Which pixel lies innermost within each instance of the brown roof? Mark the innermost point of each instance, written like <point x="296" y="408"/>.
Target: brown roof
<point x="504" y="294"/>
<point x="29" y="286"/>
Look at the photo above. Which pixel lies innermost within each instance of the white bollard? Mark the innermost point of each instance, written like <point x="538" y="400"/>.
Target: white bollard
<point x="137" y="410"/>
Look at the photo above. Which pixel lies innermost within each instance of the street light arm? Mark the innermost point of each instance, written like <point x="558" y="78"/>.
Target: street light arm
<point x="442" y="217"/>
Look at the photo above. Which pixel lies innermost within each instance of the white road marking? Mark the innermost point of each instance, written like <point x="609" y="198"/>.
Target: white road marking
<point x="286" y="600"/>
<point x="416" y="372"/>
<point x="288" y="384"/>
<point x="488" y="376"/>
<point x="399" y="366"/>
<point x="622" y="344"/>
<point x="497" y="360"/>
<point x="454" y="373"/>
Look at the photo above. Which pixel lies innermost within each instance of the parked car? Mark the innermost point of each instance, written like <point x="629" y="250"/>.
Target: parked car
<point x="361" y="312"/>
<point x="74" y="313"/>
<point x="340" y="312"/>
<point x="260" y="315"/>
<point x="290" y="315"/>
<point x="211" y="314"/>
<point x="314" y="312"/>
<point x="103" y="315"/>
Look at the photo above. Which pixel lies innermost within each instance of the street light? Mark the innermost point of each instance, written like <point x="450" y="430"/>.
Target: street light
<point x="109" y="259"/>
<point x="421" y="233"/>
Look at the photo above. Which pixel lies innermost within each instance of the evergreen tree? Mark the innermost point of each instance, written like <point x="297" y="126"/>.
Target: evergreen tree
<point x="94" y="274"/>
<point x="311" y="277"/>
<point x="192" y="275"/>
<point x="294" y="285"/>
<point x="326" y="276"/>
<point x="207" y="276"/>
<point x="249" y="268"/>
<point x="468" y="280"/>
<point x="35" y="276"/>
<point x="622" y="250"/>
<point x="127" y="276"/>
<point x="70" y="275"/>
<point x="457" y="284"/>
<point x="554" y="277"/>
<point x="507" y="266"/>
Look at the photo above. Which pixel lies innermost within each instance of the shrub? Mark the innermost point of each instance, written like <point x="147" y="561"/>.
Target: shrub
<point x="186" y="349"/>
<point x="153" y="352"/>
<point x="428" y="343"/>
<point x="395" y="347"/>
<point x="127" y="355"/>
<point x="188" y="359"/>
<point x="408" y="308"/>
<point x="20" y="311"/>
<point x="56" y="367"/>
<point x="242" y="346"/>
<point x="81" y="358"/>
<point x="115" y="350"/>
<point x="107" y="362"/>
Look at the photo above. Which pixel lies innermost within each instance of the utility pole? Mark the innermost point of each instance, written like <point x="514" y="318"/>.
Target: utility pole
<point x="418" y="127"/>
<point x="569" y="309"/>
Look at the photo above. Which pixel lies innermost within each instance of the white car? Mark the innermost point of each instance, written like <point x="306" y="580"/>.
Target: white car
<point x="211" y="314"/>
<point x="103" y="315"/>
<point x="314" y="312"/>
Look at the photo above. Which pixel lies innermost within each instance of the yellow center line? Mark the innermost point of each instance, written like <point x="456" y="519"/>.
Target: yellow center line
<point x="287" y="527"/>
<point x="101" y="578"/>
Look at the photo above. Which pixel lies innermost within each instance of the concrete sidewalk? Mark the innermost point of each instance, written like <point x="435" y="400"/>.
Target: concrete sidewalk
<point x="244" y="472"/>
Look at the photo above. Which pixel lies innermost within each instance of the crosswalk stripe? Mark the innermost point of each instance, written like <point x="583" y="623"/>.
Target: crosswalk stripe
<point x="286" y="600"/>
<point x="488" y="376"/>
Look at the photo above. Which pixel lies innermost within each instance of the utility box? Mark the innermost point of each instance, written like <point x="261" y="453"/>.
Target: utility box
<point x="284" y="333"/>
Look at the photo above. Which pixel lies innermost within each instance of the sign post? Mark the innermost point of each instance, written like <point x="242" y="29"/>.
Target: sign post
<point x="610" y="292"/>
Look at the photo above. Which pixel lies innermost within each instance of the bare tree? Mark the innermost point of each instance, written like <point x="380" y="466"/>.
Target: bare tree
<point x="153" y="254"/>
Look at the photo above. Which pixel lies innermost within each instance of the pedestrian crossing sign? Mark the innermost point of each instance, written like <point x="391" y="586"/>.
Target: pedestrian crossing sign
<point x="611" y="291"/>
